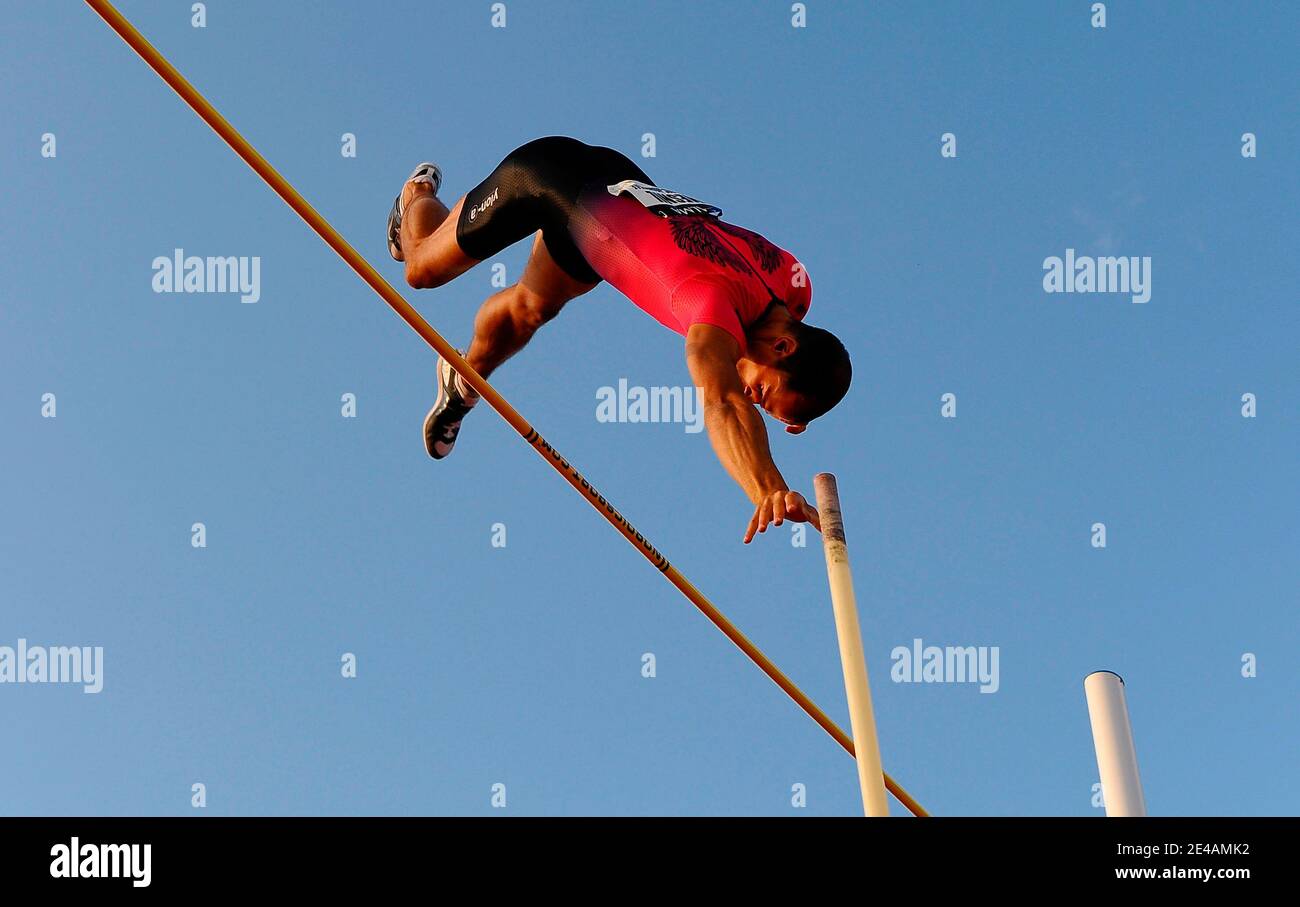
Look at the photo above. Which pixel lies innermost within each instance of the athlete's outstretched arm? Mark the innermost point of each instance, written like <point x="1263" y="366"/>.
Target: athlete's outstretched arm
<point x="737" y="432"/>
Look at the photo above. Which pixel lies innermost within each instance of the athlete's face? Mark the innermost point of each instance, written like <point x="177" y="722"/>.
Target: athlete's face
<point x="766" y="387"/>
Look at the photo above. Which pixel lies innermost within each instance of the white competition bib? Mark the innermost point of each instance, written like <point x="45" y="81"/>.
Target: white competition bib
<point x="663" y="202"/>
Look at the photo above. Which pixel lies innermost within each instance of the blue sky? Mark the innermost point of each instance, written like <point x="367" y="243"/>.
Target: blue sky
<point x="521" y="665"/>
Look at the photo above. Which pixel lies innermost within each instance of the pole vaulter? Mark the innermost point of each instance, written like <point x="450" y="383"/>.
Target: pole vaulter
<point x="294" y="200"/>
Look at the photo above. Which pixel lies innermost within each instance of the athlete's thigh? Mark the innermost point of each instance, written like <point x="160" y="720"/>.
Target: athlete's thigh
<point x="439" y="254"/>
<point x="548" y="281"/>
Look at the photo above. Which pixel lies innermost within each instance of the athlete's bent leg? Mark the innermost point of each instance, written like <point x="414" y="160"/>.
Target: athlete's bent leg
<point x="535" y="187"/>
<point x="503" y="326"/>
<point x="508" y="320"/>
<point x="432" y="255"/>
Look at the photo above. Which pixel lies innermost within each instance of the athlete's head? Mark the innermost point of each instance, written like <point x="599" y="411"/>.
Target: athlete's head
<point x="795" y="371"/>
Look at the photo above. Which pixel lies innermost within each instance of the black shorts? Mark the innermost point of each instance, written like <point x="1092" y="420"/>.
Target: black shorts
<point x="535" y="188"/>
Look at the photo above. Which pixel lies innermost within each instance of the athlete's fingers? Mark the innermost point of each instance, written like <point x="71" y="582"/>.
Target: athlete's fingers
<point x="778" y="510"/>
<point x="798" y="508"/>
<point x="794" y="506"/>
<point x="796" y="429"/>
<point x="753" y="524"/>
<point x="764" y="514"/>
<point x="810" y="512"/>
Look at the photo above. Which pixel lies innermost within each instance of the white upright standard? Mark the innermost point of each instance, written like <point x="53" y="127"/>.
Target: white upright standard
<point x="1112" y="735"/>
<point x="871" y="775"/>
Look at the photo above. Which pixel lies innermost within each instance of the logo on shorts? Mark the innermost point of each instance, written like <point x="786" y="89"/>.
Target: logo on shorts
<point x="482" y="207"/>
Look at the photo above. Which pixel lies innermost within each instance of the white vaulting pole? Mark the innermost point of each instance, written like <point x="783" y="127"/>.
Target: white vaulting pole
<point x="1112" y="735"/>
<point x="852" y="659"/>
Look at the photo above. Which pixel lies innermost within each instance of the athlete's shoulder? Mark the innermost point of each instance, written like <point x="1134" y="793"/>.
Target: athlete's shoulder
<point x="779" y="263"/>
<point x="767" y="255"/>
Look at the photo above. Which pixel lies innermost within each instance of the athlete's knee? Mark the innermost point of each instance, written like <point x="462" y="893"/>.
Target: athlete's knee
<point x="420" y="276"/>
<point x="532" y="310"/>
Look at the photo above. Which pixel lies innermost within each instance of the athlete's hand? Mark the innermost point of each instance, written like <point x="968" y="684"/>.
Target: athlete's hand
<point x="778" y="506"/>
